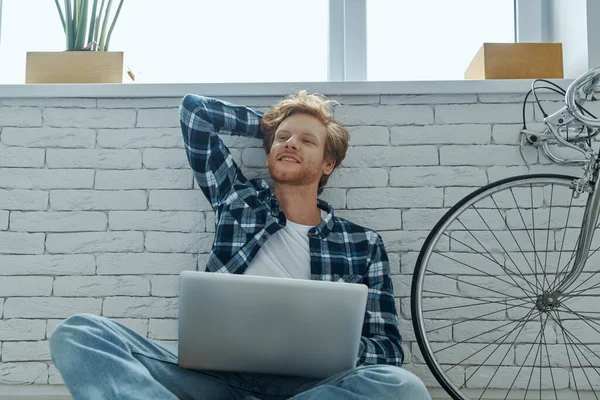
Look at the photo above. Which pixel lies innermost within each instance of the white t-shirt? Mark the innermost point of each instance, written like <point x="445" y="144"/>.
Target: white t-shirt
<point x="286" y="254"/>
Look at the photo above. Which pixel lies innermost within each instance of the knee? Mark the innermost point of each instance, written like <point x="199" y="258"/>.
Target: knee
<point x="71" y="331"/>
<point x="406" y="384"/>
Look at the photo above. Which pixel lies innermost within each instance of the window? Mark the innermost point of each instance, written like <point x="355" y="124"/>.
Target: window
<point x="432" y="39"/>
<point x="197" y="41"/>
<point x="187" y="40"/>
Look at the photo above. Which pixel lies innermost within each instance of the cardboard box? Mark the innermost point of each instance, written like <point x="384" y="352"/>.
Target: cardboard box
<point x="74" y="67"/>
<point x="517" y="61"/>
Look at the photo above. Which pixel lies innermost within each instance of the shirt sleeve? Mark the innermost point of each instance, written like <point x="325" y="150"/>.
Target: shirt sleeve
<point x="202" y="120"/>
<point x="381" y="342"/>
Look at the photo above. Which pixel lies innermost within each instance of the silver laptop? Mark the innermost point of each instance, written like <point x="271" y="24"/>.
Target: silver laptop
<point x="243" y="323"/>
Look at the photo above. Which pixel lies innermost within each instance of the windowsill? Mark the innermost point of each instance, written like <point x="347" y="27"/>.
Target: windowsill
<point x="129" y="90"/>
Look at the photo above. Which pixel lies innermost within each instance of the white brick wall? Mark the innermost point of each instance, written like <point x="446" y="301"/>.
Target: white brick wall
<point x="99" y="212"/>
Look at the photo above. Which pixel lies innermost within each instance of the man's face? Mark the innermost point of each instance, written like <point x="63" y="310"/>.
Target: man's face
<point x="301" y="137"/>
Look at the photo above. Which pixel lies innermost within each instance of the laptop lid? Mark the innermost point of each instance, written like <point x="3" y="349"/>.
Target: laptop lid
<point x="230" y="322"/>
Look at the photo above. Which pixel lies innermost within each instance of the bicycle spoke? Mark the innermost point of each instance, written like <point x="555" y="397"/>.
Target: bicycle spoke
<point x="479" y="286"/>
<point x="503" y="358"/>
<point x="533" y="365"/>
<point x="503" y="249"/>
<point x="547" y="239"/>
<point x="549" y="363"/>
<point x="488" y="274"/>
<point x="562" y="245"/>
<point x="568" y="357"/>
<point x="478" y="317"/>
<point x="575" y="348"/>
<point x="529" y="236"/>
<point x="582" y="317"/>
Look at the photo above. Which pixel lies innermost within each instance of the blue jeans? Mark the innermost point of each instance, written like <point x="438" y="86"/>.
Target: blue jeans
<point x="101" y="359"/>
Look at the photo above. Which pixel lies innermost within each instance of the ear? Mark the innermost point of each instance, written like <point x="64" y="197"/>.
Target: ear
<point x="329" y="166"/>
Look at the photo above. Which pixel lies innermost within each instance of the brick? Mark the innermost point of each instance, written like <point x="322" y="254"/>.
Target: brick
<point x="386" y="156"/>
<point x="382" y="219"/>
<point x="498" y="242"/>
<point x="437" y="176"/>
<point x="394" y="261"/>
<point x="165" y="329"/>
<point x="384" y="115"/>
<point x="54" y="376"/>
<point x="456" y="375"/>
<point x="18" y="199"/>
<point x="154" y="102"/>
<point x="210" y="221"/>
<point x="21" y="243"/>
<point x="21" y="157"/>
<point x="174" y="221"/>
<point x="50" y="265"/>
<point x="22" y="329"/>
<point x="167" y="242"/>
<point x="140" y="307"/>
<point x="144" y="263"/>
<point x="240" y="142"/>
<point x="335" y="197"/>
<point x="140" y="138"/>
<point x="77" y="221"/>
<point x="396" y="241"/>
<point x="92" y="158"/>
<point x="20" y="116"/>
<point x="89" y="118"/>
<point x="178" y="200"/>
<point x="514" y="97"/>
<point x="394" y="198"/>
<point x="510" y="133"/>
<point x="26" y="286"/>
<point x="358" y="177"/>
<point x="421" y="218"/>
<point x="477" y="353"/>
<point x="438" y="330"/>
<point x="49" y="307"/>
<point x="144" y="179"/>
<point x="428" y="99"/>
<point x="97" y="200"/>
<point x="23" y="373"/>
<point x="492" y="377"/>
<point x="165" y="285"/>
<point x="484" y="155"/>
<point x="3" y="220"/>
<point x="254" y="157"/>
<point x="29" y="178"/>
<point x="158" y="118"/>
<point x="50" y="102"/>
<point x="488" y="331"/>
<point x="165" y="158"/>
<point x="479" y="113"/>
<point x="100" y="286"/>
<point x="93" y="242"/>
<point x="26" y="351"/>
<point x="369" y="135"/>
<point x="440" y="134"/>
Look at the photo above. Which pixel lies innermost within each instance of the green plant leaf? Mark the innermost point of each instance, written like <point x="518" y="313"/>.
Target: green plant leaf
<point x="62" y="17"/>
<point x="82" y="22"/>
<point x="69" y="23"/>
<point x="92" y="22"/>
<point x="112" y="26"/>
<point x="104" y="26"/>
<point x="98" y="23"/>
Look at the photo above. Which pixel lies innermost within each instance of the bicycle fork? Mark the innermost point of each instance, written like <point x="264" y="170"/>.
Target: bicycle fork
<point x="586" y="234"/>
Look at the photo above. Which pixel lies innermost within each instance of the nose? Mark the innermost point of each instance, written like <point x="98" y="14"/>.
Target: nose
<point x="291" y="142"/>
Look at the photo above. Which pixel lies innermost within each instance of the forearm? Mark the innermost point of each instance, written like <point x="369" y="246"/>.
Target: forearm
<point x="201" y="115"/>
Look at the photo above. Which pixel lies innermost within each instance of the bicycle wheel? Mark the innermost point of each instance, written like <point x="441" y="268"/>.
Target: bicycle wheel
<point x="481" y="303"/>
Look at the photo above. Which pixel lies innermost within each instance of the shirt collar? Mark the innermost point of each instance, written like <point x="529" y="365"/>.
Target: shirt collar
<point x="321" y="230"/>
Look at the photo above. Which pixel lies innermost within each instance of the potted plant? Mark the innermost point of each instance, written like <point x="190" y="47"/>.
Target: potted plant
<point x="86" y="59"/>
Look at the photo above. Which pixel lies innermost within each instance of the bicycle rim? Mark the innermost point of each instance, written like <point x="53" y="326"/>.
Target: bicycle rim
<point x="481" y="304"/>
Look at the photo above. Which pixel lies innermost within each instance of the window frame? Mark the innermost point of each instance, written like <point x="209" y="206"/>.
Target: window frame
<point x="347" y="41"/>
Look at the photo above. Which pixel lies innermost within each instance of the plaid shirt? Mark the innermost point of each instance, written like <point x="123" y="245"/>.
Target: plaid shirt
<point x="247" y="214"/>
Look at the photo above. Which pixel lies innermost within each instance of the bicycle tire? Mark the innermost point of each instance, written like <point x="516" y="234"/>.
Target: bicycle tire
<point x="433" y="240"/>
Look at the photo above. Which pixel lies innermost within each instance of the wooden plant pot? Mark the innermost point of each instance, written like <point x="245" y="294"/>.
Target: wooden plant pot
<point x="74" y="67"/>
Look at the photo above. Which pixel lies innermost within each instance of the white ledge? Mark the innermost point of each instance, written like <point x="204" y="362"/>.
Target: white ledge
<point x="129" y="90"/>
